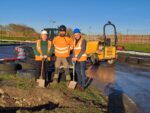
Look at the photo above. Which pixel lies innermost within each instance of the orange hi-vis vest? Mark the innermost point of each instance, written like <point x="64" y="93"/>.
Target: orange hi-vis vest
<point x="38" y="47"/>
<point x="62" y="46"/>
<point x="77" y="49"/>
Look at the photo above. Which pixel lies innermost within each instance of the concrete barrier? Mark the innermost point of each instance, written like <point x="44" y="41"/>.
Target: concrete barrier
<point x="134" y="59"/>
<point x="129" y="104"/>
<point x="134" y="53"/>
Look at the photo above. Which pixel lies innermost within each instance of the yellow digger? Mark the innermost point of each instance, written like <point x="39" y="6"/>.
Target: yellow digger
<point x="103" y="50"/>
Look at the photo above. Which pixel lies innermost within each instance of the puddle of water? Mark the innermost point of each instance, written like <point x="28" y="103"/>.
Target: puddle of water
<point x="134" y="82"/>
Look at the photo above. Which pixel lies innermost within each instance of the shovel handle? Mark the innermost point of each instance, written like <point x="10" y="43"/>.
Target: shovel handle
<point x="73" y="71"/>
<point x="42" y="67"/>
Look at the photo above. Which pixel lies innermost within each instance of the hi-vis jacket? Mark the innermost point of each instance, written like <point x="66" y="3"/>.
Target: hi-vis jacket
<point x="62" y="46"/>
<point x="39" y="50"/>
<point x="77" y="49"/>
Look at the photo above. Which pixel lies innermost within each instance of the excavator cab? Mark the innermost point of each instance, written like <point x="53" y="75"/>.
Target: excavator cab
<point x="52" y="32"/>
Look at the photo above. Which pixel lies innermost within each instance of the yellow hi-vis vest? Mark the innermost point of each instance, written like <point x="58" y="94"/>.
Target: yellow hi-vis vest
<point x="62" y="46"/>
<point x="77" y="49"/>
<point x="38" y="47"/>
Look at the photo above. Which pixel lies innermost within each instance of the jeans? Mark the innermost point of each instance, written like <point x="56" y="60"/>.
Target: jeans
<point x="80" y="71"/>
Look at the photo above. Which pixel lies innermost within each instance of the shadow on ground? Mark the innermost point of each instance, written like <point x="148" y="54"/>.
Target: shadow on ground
<point x="48" y="106"/>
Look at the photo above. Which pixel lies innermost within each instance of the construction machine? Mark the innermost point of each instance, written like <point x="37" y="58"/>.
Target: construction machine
<point x="104" y="50"/>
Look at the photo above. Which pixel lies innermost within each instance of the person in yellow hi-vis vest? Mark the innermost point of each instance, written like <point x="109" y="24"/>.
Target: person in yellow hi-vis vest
<point x="80" y="58"/>
<point x="62" y="45"/>
<point x="43" y="50"/>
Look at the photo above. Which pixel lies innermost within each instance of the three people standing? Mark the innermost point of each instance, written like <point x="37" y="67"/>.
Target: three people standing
<point x="62" y="46"/>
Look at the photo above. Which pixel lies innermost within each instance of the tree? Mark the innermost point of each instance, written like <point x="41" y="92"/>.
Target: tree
<point x="25" y="30"/>
<point x="69" y="32"/>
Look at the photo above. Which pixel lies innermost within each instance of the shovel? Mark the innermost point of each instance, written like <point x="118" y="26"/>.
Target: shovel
<point x="73" y="83"/>
<point x="41" y="81"/>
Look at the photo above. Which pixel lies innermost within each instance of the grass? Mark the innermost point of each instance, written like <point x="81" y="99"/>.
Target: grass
<point x="90" y="93"/>
<point x="137" y="47"/>
<point x="27" y="83"/>
<point x="7" y="77"/>
<point x="21" y="83"/>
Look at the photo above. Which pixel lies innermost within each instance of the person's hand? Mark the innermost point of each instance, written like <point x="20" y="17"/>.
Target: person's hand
<point x="74" y="59"/>
<point x="41" y="56"/>
<point x="45" y="56"/>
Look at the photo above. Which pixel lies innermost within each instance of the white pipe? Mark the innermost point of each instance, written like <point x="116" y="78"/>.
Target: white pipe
<point x="134" y="53"/>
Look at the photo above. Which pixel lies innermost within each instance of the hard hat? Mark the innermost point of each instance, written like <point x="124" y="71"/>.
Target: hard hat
<point x="62" y="28"/>
<point x="76" y="30"/>
<point x="44" y="32"/>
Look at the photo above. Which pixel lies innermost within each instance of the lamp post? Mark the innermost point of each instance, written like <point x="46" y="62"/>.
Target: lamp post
<point x="53" y="22"/>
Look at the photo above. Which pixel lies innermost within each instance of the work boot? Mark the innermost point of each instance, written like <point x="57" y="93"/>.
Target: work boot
<point x="55" y="81"/>
<point x="80" y="88"/>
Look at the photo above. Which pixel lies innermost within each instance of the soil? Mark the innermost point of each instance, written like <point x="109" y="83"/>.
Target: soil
<point x="53" y="99"/>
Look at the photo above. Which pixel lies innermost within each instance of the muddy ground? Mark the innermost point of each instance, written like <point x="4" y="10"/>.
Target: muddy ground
<point x="21" y="96"/>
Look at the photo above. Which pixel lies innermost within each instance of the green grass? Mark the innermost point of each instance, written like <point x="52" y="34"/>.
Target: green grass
<point x="7" y="77"/>
<point x="90" y="93"/>
<point x="137" y="47"/>
<point x="21" y="83"/>
<point x="27" y="83"/>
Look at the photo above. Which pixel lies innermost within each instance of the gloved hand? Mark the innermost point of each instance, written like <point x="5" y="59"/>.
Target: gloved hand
<point x="45" y="56"/>
<point x="74" y="59"/>
<point x="41" y="56"/>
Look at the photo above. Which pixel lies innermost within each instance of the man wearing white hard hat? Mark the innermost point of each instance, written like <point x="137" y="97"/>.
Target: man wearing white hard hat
<point x="43" y="50"/>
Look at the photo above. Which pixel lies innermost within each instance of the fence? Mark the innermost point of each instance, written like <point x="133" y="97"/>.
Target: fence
<point x="140" y="39"/>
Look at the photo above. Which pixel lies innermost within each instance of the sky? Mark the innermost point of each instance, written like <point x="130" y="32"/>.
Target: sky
<point x="129" y="16"/>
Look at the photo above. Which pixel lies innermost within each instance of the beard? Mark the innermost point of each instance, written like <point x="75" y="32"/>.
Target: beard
<point x="62" y="35"/>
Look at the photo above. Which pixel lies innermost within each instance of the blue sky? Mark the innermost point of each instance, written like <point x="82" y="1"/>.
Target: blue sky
<point x="128" y="15"/>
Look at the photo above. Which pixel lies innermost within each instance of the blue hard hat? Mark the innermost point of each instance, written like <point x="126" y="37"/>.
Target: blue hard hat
<point x="76" y="30"/>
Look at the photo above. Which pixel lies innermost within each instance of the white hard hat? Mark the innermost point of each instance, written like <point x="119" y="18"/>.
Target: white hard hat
<point x="43" y="32"/>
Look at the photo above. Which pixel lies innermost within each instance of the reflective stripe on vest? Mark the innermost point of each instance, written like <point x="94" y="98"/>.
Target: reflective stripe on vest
<point x="64" y="48"/>
<point x="61" y="49"/>
<point x="77" y="49"/>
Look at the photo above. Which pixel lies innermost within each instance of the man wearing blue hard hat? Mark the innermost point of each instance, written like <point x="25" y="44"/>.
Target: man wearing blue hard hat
<point x="79" y="57"/>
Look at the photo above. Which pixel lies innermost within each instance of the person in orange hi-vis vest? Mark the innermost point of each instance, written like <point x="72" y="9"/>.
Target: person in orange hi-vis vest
<point x="79" y="58"/>
<point x="62" y="45"/>
<point x="43" y="49"/>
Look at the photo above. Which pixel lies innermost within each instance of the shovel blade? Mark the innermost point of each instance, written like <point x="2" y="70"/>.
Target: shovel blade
<point x="72" y="84"/>
<point x="41" y="82"/>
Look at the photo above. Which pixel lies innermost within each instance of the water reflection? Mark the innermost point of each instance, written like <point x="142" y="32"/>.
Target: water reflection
<point x="106" y="76"/>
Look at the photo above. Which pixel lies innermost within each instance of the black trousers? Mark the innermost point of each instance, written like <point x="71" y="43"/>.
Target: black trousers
<point x="45" y="69"/>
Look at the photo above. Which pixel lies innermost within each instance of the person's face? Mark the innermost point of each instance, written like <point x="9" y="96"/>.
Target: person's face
<point x="62" y="33"/>
<point x="44" y="37"/>
<point x="77" y="36"/>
